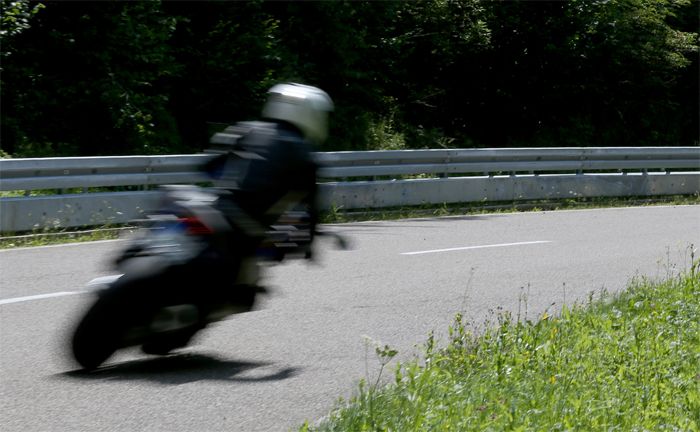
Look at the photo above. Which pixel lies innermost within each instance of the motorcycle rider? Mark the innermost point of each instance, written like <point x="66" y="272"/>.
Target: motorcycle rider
<point x="265" y="168"/>
<point x="268" y="165"/>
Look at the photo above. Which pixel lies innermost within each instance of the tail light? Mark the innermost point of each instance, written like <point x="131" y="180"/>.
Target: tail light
<point x="194" y="226"/>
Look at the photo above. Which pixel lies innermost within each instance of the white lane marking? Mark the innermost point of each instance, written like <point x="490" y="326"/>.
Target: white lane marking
<point x="39" y="297"/>
<point x="475" y="247"/>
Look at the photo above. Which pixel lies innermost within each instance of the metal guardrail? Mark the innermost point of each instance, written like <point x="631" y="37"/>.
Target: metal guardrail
<point x="367" y="179"/>
<point x="92" y="172"/>
<point x="463" y="161"/>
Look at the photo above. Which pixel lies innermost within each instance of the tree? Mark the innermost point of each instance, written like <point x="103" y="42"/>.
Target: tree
<point x="154" y="77"/>
<point x="585" y="73"/>
<point x="16" y="18"/>
<point x="228" y="53"/>
<point x="90" y="78"/>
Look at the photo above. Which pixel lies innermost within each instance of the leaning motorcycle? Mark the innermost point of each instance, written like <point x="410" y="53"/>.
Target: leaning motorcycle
<point x="181" y="272"/>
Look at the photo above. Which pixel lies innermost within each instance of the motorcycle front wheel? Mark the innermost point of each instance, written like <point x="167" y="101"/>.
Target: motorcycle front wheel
<point x="97" y="335"/>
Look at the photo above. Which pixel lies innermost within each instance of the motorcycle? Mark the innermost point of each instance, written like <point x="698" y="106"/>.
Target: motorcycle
<point x="183" y="271"/>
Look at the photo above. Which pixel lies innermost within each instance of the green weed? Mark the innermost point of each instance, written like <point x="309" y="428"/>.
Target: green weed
<point x="50" y="237"/>
<point x="629" y="363"/>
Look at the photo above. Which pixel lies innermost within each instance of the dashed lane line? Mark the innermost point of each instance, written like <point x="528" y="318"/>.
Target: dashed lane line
<point x="475" y="247"/>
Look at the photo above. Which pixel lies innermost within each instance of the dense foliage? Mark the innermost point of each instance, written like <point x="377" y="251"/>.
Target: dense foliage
<point x="90" y="78"/>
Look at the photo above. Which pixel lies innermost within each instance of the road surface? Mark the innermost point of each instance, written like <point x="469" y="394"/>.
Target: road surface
<point x="305" y="346"/>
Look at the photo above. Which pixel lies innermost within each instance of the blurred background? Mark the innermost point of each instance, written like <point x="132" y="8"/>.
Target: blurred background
<point x="156" y="77"/>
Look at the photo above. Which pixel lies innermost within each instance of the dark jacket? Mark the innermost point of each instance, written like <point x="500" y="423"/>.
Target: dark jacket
<point x="268" y="167"/>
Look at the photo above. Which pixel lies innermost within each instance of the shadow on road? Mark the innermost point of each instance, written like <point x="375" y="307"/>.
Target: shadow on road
<point x="185" y="368"/>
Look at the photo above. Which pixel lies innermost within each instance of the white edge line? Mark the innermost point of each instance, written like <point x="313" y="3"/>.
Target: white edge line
<point x="475" y="247"/>
<point x="39" y="297"/>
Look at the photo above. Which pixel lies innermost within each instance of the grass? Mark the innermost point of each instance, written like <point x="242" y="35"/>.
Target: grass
<point x="50" y="237"/>
<point x="626" y="363"/>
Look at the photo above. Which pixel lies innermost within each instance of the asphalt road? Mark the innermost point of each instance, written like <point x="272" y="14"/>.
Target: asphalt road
<point x="305" y="346"/>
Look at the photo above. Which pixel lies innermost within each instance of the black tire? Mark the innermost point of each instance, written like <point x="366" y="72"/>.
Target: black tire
<point x="97" y="336"/>
<point x="164" y="344"/>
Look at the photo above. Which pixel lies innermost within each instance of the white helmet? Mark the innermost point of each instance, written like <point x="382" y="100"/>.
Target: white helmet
<point x="303" y="106"/>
